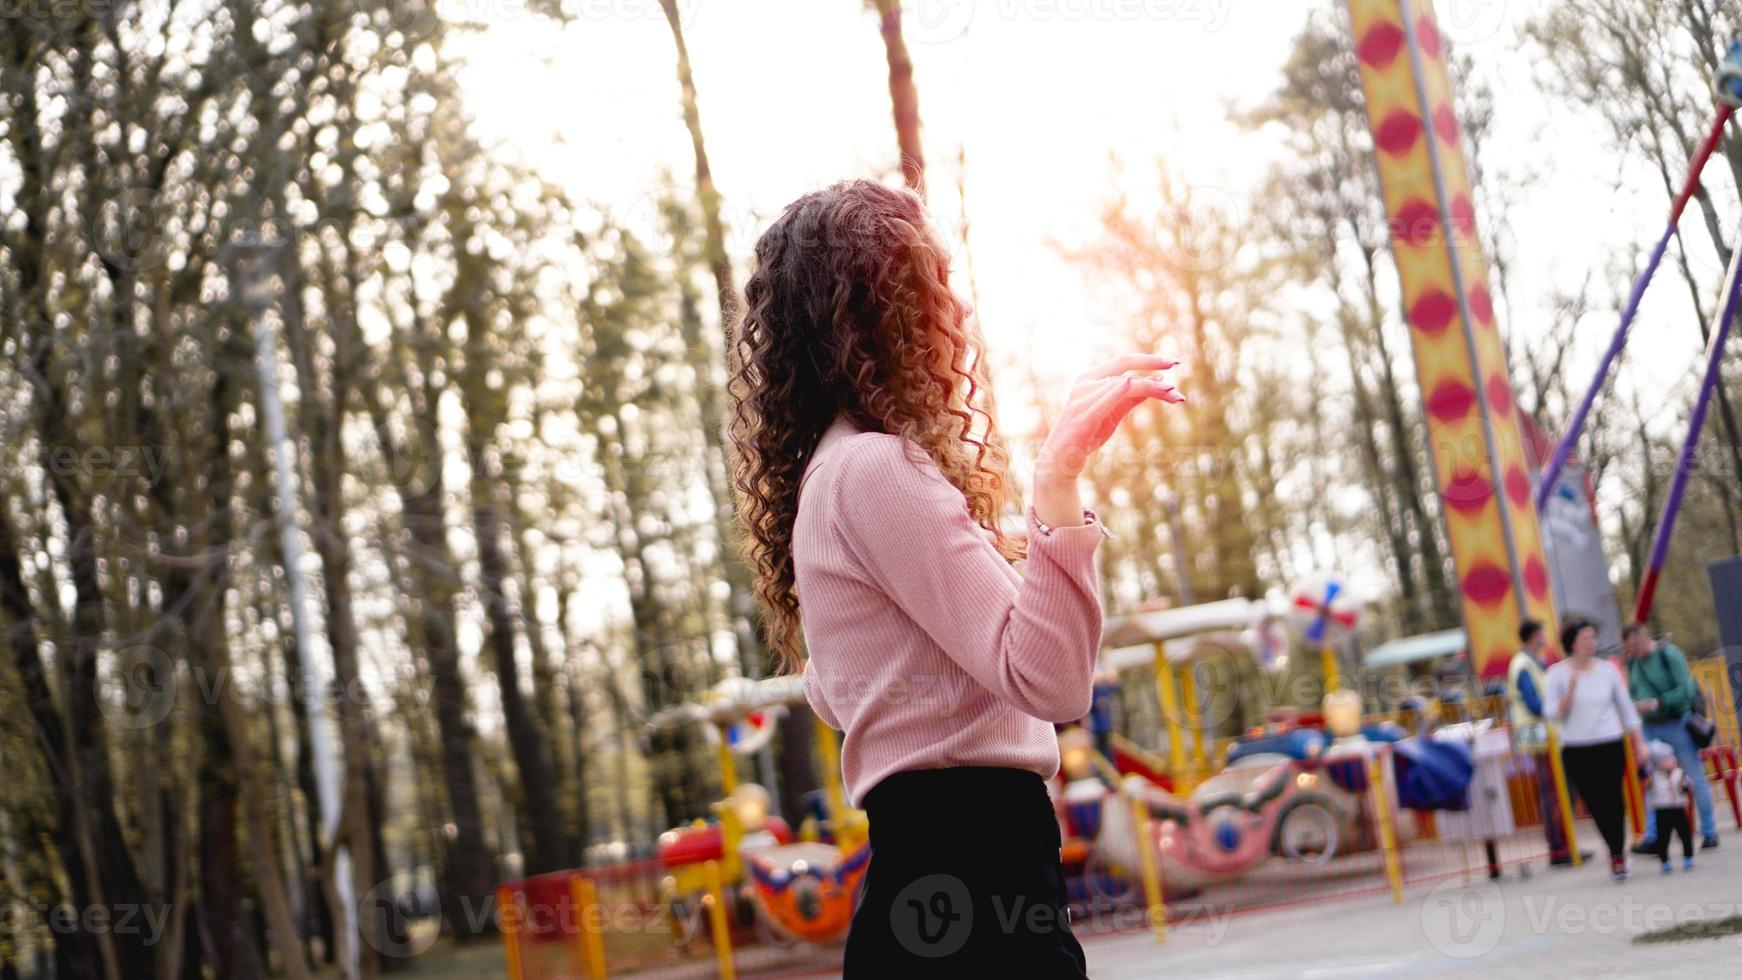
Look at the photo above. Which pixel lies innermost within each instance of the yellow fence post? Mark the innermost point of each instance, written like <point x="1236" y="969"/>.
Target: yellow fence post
<point x="716" y="900"/>
<point x="589" y="950"/>
<point x="1170" y="711"/>
<point x="1713" y="676"/>
<point x="1194" y="720"/>
<point x="1382" y="814"/>
<point x="1154" y="896"/>
<point x="829" y="751"/>
<point x="728" y="764"/>
<point x="1563" y="799"/>
<point x="1328" y="664"/>
<point x="508" y="914"/>
<point x="1635" y="798"/>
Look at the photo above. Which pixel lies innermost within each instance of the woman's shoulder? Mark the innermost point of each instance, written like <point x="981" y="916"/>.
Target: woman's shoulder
<point x="881" y="458"/>
<point x="848" y="450"/>
<point x="875" y="447"/>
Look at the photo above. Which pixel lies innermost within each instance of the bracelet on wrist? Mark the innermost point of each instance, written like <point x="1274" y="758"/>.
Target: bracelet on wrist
<point x="1089" y="520"/>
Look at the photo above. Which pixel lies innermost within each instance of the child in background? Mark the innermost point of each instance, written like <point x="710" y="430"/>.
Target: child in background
<point x="1664" y="794"/>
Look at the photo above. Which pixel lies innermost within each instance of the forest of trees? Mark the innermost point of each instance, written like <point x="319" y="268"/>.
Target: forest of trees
<point x="510" y="537"/>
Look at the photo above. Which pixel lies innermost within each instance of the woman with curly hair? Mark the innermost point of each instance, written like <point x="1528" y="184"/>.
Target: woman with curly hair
<point x="872" y="483"/>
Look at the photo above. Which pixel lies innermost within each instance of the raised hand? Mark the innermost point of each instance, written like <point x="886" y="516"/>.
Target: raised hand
<point x="1099" y="400"/>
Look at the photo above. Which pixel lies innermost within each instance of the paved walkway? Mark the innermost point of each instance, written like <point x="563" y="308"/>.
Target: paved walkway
<point x="1550" y="923"/>
<point x="1559" y="923"/>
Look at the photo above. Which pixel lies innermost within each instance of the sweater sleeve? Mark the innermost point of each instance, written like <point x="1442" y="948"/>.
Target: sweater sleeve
<point x="1624" y="705"/>
<point x="813" y="693"/>
<point x="1557" y="689"/>
<point x="1031" y="640"/>
<point x="1527" y="693"/>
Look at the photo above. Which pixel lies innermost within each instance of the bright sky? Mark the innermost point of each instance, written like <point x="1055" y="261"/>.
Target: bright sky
<point x="1042" y="96"/>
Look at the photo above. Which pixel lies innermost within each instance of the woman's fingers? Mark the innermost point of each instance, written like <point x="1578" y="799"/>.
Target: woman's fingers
<point x="1121" y="396"/>
<point x="1116" y="366"/>
<point x="1095" y="411"/>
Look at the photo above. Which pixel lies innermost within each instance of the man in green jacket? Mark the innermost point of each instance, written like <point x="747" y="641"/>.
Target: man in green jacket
<point x="1663" y="691"/>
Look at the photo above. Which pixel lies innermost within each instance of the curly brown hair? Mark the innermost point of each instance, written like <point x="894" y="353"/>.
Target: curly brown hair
<point x="848" y="313"/>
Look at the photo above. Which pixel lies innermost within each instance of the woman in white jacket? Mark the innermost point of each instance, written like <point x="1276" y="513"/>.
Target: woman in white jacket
<point x="1590" y="701"/>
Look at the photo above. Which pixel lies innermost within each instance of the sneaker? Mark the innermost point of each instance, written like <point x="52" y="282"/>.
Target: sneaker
<point x="1644" y="847"/>
<point x="1687" y="865"/>
<point x="1710" y="843"/>
<point x="1617" y="870"/>
<point x="1666" y="868"/>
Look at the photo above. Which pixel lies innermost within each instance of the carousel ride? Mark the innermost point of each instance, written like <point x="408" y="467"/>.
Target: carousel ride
<point x="1297" y="788"/>
<point x="795" y="885"/>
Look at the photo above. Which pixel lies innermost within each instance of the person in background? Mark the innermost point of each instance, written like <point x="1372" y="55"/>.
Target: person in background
<point x="1526" y="679"/>
<point x="1663" y="795"/>
<point x="1590" y="702"/>
<point x="1104" y="701"/>
<point x="1663" y="692"/>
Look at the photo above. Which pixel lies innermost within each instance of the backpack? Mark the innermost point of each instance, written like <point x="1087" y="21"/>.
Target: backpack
<point x="1699" y="723"/>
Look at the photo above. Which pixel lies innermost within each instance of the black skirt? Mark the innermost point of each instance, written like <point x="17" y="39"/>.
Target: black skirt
<point x="964" y="880"/>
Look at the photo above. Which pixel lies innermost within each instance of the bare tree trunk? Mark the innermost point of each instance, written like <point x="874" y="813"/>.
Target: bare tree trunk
<point x="797" y="773"/>
<point x="322" y="425"/>
<point x="532" y="756"/>
<point x="1366" y="421"/>
<point x="18" y="618"/>
<point x="485" y="408"/>
<point x="903" y="95"/>
<point x="108" y="874"/>
<point x="422" y="488"/>
<point x="250" y="770"/>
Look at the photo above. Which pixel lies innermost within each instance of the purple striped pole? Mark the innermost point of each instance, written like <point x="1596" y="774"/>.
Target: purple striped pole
<point x="1685" y="464"/>
<point x="1564" y="449"/>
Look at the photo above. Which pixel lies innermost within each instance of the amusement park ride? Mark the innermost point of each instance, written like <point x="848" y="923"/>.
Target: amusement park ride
<point x="1292" y="790"/>
<point x="1309" y="786"/>
<point x="799" y="889"/>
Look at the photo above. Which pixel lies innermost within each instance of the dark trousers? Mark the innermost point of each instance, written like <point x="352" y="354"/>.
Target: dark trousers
<point x="1596" y="772"/>
<point x="964" y="880"/>
<point x="1673" y="818"/>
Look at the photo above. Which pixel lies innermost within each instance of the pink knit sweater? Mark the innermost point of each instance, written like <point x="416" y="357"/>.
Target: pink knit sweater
<point x="926" y="646"/>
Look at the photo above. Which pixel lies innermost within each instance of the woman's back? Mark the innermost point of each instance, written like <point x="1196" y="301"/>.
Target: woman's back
<point x="924" y="645"/>
<point x="873" y="484"/>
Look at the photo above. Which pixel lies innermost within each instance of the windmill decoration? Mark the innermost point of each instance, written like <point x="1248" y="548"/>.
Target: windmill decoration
<point x="1325" y="612"/>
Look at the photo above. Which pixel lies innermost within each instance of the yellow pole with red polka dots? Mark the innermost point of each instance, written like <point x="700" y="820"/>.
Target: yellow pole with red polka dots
<point x="1473" y="436"/>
